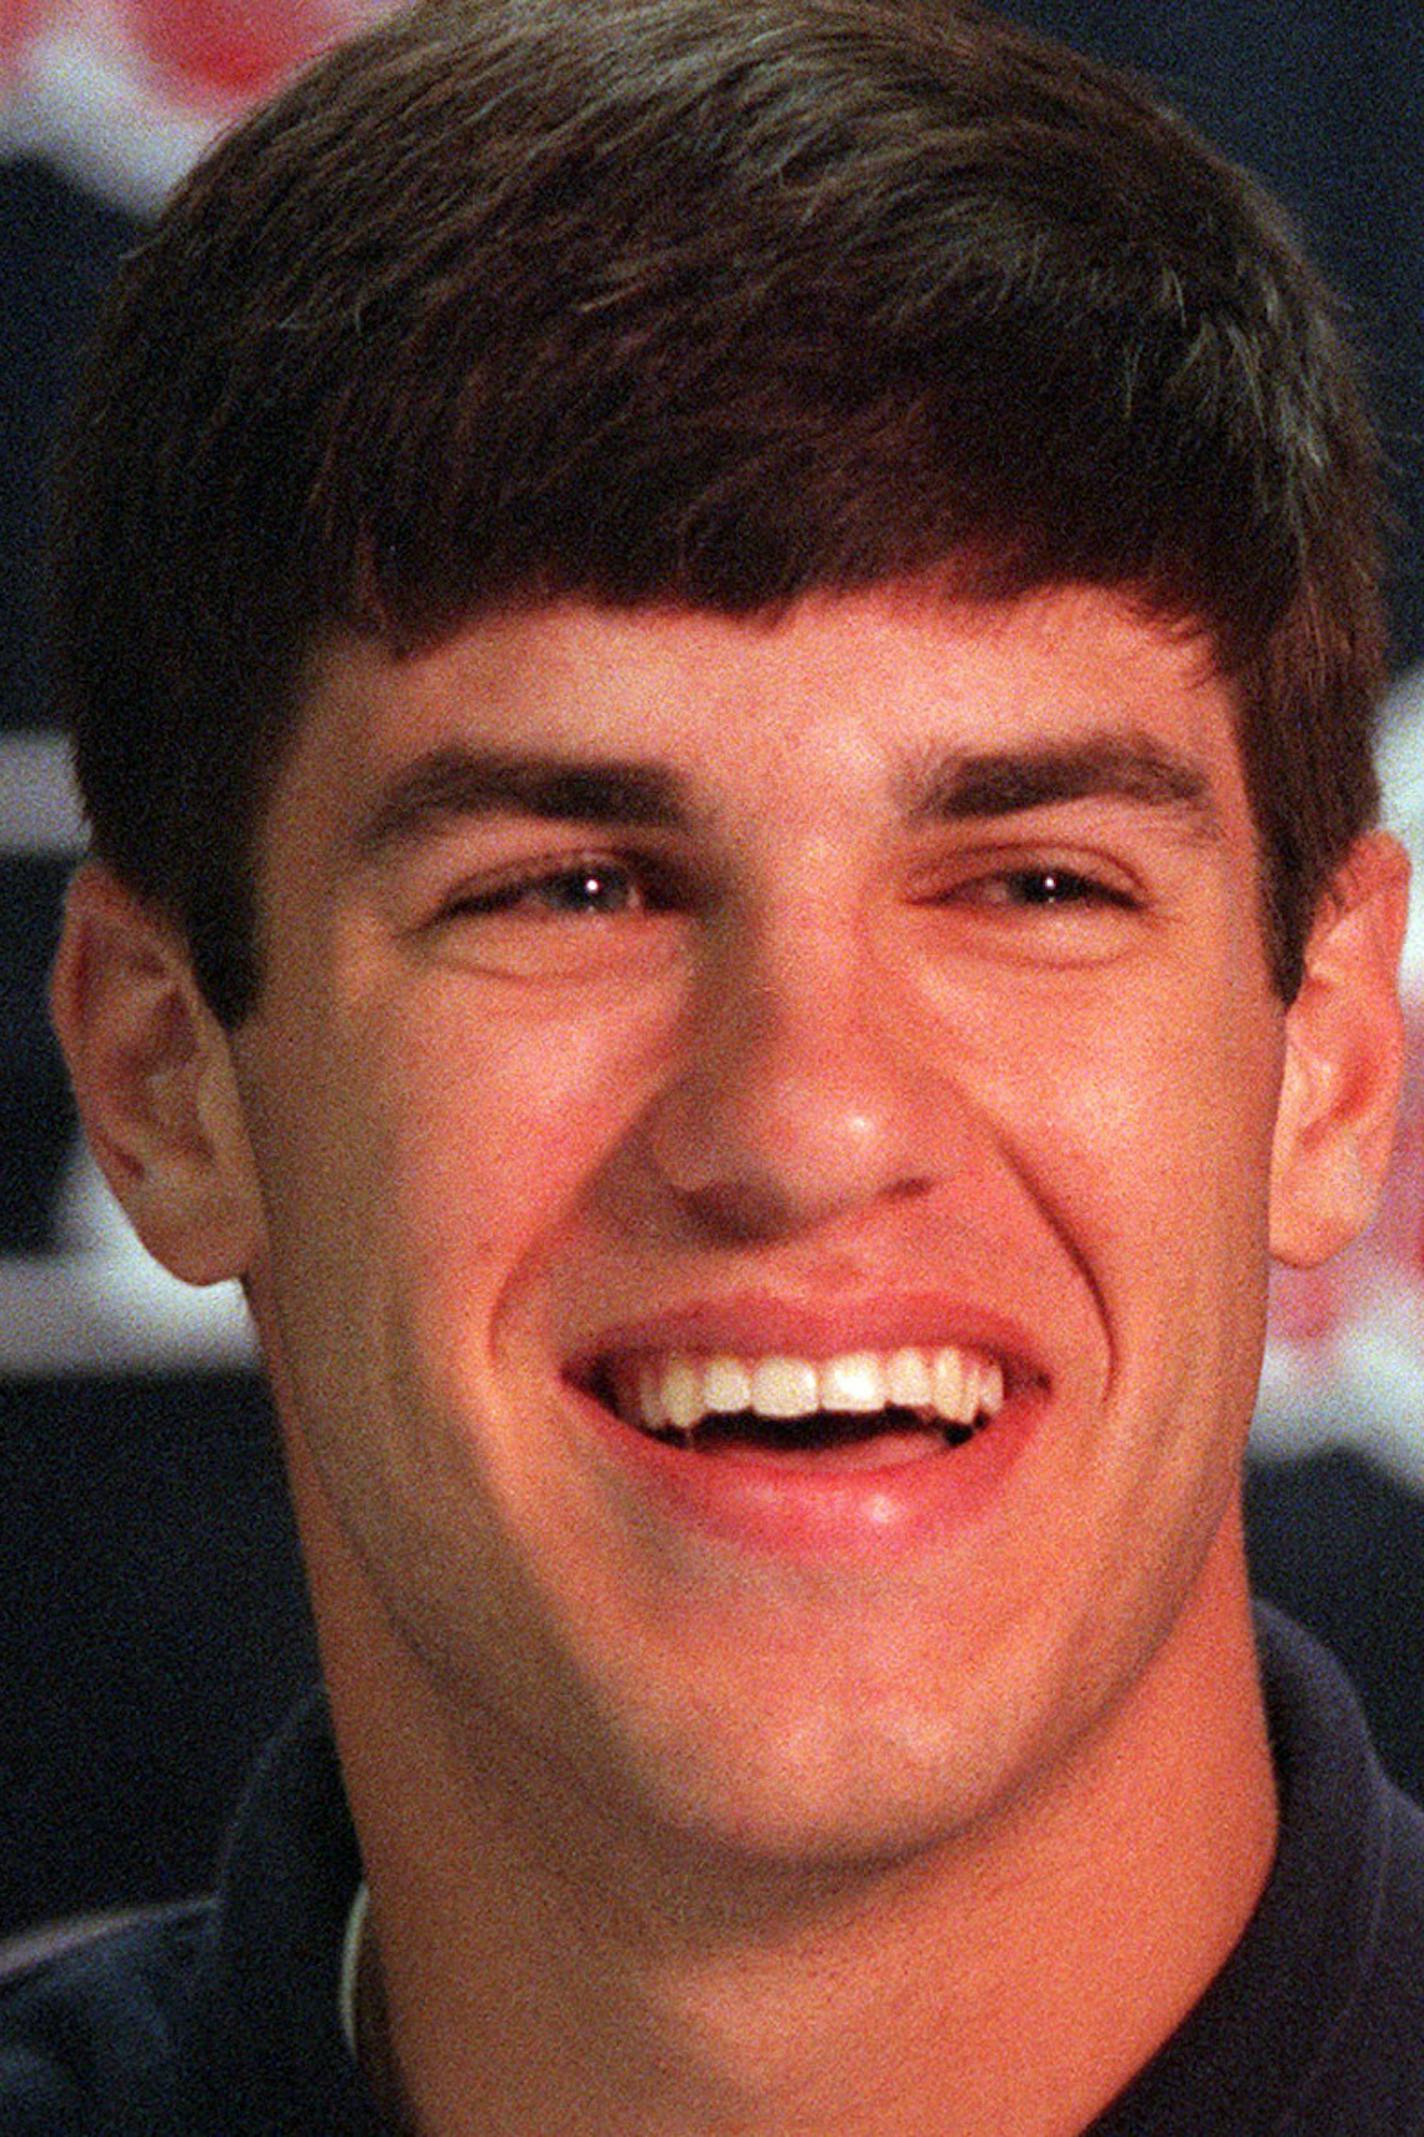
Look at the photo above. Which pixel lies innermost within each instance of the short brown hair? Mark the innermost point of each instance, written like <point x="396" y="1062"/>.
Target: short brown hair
<point x="651" y="300"/>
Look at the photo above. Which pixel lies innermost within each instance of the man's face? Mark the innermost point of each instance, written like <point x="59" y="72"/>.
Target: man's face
<point x="653" y="997"/>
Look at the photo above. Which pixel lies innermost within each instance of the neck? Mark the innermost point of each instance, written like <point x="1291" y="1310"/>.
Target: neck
<point x="530" y="1972"/>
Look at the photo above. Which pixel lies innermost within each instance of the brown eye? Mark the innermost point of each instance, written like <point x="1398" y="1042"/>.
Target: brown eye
<point x="1050" y="887"/>
<point x="603" y="889"/>
<point x="583" y="889"/>
<point x="564" y="918"/>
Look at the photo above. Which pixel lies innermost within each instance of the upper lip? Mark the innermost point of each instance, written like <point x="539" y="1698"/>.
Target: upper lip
<point x="755" y="1325"/>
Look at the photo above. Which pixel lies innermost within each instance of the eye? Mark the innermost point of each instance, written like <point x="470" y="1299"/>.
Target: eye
<point x="1056" y="909"/>
<point x="562" y="917"/>
<point x="595" y="888"/>
<point x="1046" y="889"/>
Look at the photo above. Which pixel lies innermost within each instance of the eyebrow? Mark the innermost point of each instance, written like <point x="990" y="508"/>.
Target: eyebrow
<point x="454" y="782"/>
<point x="960" y="786"/>
<point x="954" y="786"/>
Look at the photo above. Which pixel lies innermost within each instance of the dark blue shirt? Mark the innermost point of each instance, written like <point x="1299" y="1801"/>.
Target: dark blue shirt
<point x="222" y="2020"/>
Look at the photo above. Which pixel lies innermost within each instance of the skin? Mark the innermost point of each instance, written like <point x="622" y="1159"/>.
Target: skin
<point x="702" y="1807"/>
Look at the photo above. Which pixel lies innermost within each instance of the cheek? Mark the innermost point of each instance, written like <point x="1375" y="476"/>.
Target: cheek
<point x="1141" y="1120"/>
<point x="486" y="1128"/>
<point x="421" y="1164"/>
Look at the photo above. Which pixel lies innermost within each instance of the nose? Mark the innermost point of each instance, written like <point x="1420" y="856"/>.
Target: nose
<point x="798" y="1097"/>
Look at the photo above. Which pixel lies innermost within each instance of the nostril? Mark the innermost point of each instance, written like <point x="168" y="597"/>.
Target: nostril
<point x="908" y="1190"/>
<point x="741" y="1212"/>
<point x="745" y="1212"/>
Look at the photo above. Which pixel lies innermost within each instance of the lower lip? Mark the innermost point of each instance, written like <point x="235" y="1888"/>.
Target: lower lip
<point x="809" y="1510"/>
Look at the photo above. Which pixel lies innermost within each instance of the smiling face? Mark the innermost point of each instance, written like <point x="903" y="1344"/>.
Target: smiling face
<point x="866" y="1013"/>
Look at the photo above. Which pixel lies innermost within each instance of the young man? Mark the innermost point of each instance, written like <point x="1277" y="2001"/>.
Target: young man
<point x="723" y="661"/>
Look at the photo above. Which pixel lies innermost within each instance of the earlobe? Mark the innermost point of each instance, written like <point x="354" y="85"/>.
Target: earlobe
<point x="153" y="1079"/>
<point x="1344" y="1060"/>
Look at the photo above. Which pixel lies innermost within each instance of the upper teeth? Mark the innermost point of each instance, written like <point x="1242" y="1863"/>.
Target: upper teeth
<point x="947" y="1382"/>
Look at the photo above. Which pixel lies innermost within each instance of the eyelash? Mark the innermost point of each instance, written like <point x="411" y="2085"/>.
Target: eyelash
<point x="1048" y="888"/>
<point x="641" y="886"/>
<point x="655" y="885"/>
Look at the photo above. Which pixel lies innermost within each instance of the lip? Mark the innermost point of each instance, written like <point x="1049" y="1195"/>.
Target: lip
<point x="751" y="1324"/>
<point x="769" y="1508"/>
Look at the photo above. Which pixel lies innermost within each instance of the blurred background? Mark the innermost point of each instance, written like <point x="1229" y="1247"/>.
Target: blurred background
<point x="152" y="1625"/>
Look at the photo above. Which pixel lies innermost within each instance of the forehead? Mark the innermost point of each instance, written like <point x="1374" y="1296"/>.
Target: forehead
<point x="851" y="696"/>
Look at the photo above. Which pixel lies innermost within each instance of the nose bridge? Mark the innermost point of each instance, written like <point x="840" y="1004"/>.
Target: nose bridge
<point x="795" y="1095"/>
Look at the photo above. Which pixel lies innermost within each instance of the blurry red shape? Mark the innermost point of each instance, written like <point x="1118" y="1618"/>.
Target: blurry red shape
<point x="1309" y="1307"/>
<point x="230" y="51"/>
<point x="19" y="19"/>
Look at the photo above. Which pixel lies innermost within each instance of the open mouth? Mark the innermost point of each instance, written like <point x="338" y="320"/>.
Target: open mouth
<point x="856" y="1409"/>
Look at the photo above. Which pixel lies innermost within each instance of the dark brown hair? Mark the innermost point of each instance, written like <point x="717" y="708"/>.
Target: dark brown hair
<point x="651" y="300"/>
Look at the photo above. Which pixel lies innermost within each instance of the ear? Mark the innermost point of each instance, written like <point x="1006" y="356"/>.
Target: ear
<point x="152" y="1073"/>
<point x="1344" y="1060"/>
